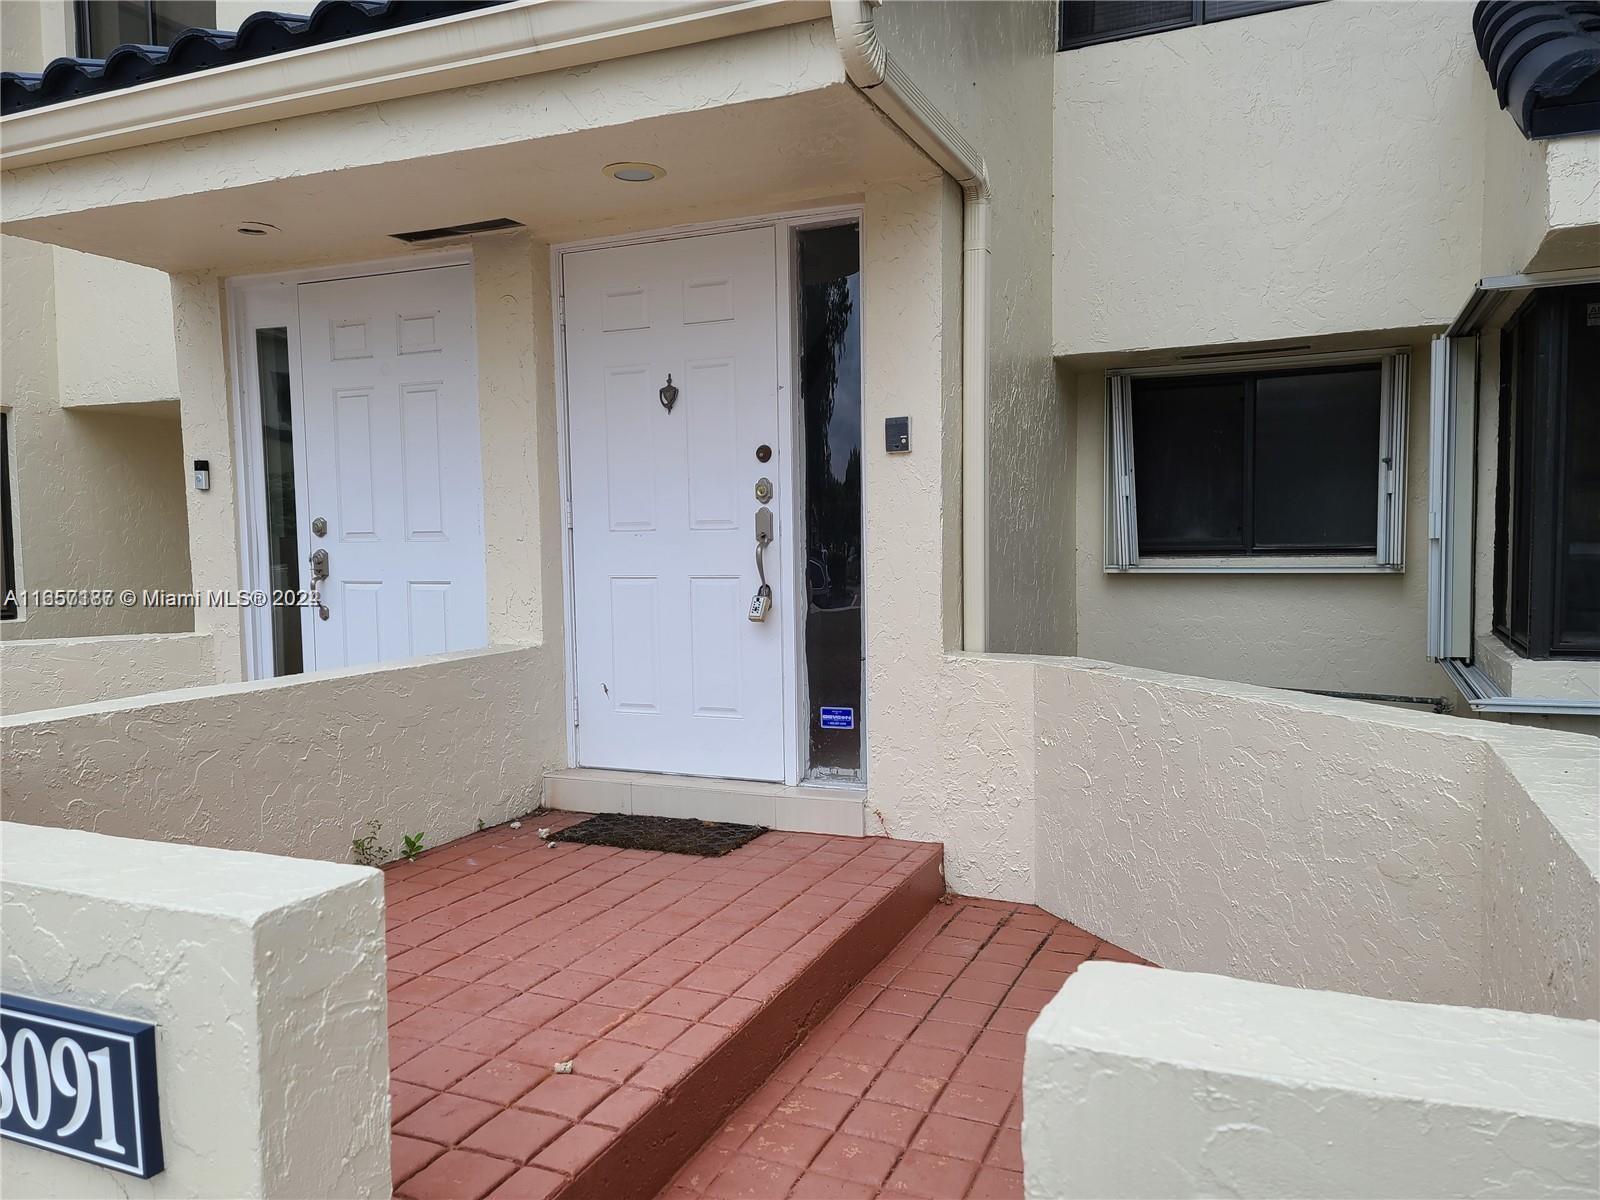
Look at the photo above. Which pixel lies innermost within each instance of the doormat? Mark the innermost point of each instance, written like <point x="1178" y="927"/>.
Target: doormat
<point x="670" y="835"/>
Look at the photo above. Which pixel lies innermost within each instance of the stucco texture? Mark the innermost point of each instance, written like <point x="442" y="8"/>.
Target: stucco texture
<point x="1283" y="1092"/>
<point x="1319" y="843"/>
<point x="299" y="765"/>
<point x="38" y="673"/>
<point x="264" y="978"/>
<point x="1310" y="171"/>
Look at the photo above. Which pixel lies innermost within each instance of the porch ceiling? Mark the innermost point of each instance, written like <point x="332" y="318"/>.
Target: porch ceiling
<point x="762" y="155"/>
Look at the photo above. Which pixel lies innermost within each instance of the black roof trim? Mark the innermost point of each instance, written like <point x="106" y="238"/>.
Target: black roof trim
<point x="261" y="35"/>
<point x="1544" y="59"/>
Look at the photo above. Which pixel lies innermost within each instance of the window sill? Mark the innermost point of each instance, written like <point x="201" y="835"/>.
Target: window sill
<point x="1259" y="565"/>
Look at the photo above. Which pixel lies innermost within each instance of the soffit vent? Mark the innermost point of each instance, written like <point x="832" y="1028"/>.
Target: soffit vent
<point x="462" y="230"/>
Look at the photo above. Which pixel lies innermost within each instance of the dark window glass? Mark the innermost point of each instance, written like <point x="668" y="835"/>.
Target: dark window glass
<point x="1547" y="504"/>
<point x="8" y="598"/>
<point x="277" y="452"/>
<point x="1316" y="446"/>
<point x="1271" y="463"/>
<point x="103" y="25"/>
<point x="1189" y="441"/>
<point x="1085" y="22"/>
<point x="830" y="392"/>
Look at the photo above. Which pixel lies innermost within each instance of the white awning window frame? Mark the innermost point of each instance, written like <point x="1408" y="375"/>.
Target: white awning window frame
<point x="1121" y="487"/>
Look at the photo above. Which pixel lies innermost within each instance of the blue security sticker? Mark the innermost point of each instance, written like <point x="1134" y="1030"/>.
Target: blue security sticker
<point x="838" y="718"/>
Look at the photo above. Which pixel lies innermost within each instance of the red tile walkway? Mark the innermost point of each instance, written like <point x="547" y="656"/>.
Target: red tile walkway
<point x="911" y="1087"/>
<point x="508" y="956"/>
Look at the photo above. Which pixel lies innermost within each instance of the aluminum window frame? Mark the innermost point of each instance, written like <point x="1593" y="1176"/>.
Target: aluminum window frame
<point x="1122" y="554"/>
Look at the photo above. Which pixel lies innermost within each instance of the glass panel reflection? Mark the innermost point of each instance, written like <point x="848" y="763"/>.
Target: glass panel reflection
<point x="830" y="392"/>
<point x="277" y="453"/>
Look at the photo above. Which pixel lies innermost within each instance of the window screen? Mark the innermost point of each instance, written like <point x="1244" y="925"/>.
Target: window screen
<point x="1085" y="22"/>
<point x="1281" y="462"/>
<point x="103" y="25"/>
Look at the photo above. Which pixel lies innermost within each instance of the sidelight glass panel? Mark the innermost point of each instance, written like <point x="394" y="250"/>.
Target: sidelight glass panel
<point x="830" y="393"/>
<point x="283" y="541"/>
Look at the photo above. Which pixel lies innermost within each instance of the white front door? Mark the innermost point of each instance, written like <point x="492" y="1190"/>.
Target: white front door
<point x="392" y="467"/>
<point x="672" y="676"/>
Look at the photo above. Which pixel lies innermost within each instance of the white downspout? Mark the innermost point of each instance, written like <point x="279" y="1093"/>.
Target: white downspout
<point x="881" y="80"/>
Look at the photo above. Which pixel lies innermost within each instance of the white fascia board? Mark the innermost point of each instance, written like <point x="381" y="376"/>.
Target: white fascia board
<point x="521" y="38"/>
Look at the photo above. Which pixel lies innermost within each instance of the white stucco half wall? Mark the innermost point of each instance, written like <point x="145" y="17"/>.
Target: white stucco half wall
<point x="39" y="673"/>
<point x="1140" y="1082"/>
<point x="300" y="765"/>
<point x="265" y="980"/>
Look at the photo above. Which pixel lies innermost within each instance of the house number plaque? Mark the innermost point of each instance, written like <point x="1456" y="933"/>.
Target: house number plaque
<point x="80" y="1083"/>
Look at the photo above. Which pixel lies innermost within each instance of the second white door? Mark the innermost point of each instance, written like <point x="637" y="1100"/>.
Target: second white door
<point x="393" y="465"/>
<point x="672" y="675"/>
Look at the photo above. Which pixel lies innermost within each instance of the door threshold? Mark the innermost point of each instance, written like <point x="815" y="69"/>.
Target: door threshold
<point x="806" y="809"/>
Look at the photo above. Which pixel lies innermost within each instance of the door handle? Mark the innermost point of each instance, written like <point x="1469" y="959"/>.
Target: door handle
<point x="319" y="572"/>
<point x="761" y="602"/>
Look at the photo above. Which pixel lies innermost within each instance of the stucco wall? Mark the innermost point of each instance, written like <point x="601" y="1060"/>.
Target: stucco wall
<point x="299" y="765"/>
<point x="1346" y="633"/>
<point x="97" y="495"/>
<point x="56" y="672"/>
<point x="988" y="66"/>
<point x="1319" y="843"/>
<point x="264" y="978"/>
<point x="1285" y="1092"/>
<point x="1309" y="171"/>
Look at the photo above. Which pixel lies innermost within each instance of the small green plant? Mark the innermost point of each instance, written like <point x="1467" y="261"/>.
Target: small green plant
<point x="366" y="850"/>
<point x="412" y="846"/>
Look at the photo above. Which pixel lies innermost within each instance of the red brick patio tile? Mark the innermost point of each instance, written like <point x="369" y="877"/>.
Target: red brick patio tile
<point x="485" y="1035"/>
<point x="684" y="1003"/>
<point x="501" y="1081"/>
<point x="954" y="1137"/>
<point x="457" y="1175"/>
<point x="995" y="1184"/>
<point x="841" y="1075"/>
<point x="1006" y="1152"/>
<point x="908" y="1091"/>
<point x="546" y="1047"/>
<point x="447" y="1119"/>
<point x="529" y="1183"/>
<point x="930" y="1176"/>
<point x="425" y="989"/>
<point x="747" y="1178"/>
<point x="663" y="1071"/>
<point x="883" y="1122"/>
<point x="621" y="1108"/>
<point x="437" y="1067"/>
<point x="588" y="1020"/>
<point x="855" y="1158"/>
<point x="813" y="1186"/>
<point x="574" y="1149"/>
<point x="516" y="1134"/>
<point x="653" y="1030"/>
<point x="568" y="1096"/>
<point x="786" y="1142"/>
<point x="974" y="1103"/>
<point x="407" y="1156"/>
<point x="466" y="967"/>
<point x="858" y="1047"/>
<point x="916" y="1058"/>
<point x="406" y="1098"/>
<point x="812" y="1106"/>
<point x="611" y="1060"/>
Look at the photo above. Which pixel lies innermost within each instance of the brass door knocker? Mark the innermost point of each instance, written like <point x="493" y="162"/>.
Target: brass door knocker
<point x="669" y="394"/>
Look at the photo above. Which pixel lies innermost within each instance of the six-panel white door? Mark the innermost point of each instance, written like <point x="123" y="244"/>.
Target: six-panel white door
<point x="393" y="465"/>
<point x="671" y="674"/>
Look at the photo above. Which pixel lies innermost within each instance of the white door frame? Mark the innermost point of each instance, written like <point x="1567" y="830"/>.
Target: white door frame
<point x="268" y="301"/>
<point x="792" y="480"/>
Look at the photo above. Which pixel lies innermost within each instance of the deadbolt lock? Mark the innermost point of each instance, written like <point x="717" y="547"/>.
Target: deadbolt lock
<point x="764" y="490"/>
<point x="319" y="526"/>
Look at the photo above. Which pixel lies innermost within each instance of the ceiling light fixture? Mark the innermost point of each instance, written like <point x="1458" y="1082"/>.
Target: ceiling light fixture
<point x="634" y="172"/>
<point x="257" y="229"/>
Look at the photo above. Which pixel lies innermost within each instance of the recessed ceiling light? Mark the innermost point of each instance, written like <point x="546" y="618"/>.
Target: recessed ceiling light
<point x="635" y="172"/>
<point x="257" y="228"/>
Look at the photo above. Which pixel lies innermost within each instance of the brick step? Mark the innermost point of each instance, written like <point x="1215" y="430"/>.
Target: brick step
<point x="675" y="986"/>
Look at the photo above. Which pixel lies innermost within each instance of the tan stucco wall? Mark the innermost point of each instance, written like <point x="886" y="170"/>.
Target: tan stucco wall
<point x="989" y="68"/>
<point x="98" y="495"/>
<point x="264" y="978"/>
<point x="1310" y="171"/>
<point x="40" y="673"/>
<point x="299" y="765"/>
<point x="1346" y="633"/>
<point x="1320" y="843"/>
